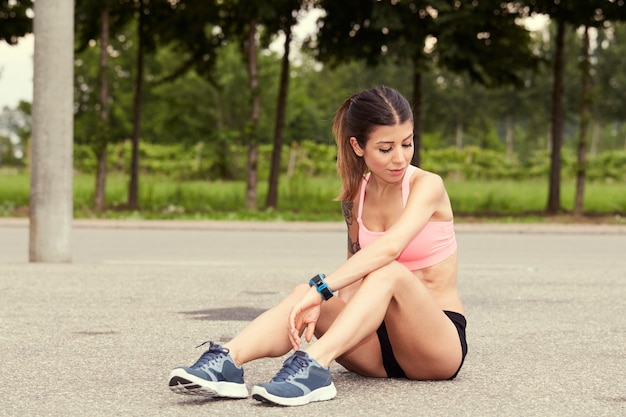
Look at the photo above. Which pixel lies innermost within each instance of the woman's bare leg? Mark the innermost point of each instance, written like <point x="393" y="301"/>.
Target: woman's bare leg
<point x="424" y="340"/>
<point x="267" y="335"/>
<point x="365" y="358"/>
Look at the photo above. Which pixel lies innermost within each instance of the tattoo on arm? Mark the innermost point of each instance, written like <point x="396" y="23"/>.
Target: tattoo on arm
<point x="346" y="207"/>
<point x="353" y="247"/>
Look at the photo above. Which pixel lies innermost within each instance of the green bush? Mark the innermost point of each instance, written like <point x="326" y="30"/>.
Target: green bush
<point x="216" y="161"/>
<point x="608" y="166"/>
<point x="470" y="163"/>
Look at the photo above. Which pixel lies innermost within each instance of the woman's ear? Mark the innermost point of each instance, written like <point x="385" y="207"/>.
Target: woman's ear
<point x="356" y="147"/>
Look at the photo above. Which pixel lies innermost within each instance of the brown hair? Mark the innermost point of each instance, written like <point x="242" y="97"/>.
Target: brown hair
<point x="357" y="117"/>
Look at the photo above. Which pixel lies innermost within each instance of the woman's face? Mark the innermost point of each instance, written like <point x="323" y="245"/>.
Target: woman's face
<point x="388" y="151"/>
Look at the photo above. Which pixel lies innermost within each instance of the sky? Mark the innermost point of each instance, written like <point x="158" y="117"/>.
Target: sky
<point x="16" y="72"/>
<point x="16" y="63"/>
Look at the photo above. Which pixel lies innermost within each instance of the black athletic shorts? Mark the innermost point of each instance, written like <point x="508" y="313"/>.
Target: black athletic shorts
<point x="391" y="364"/>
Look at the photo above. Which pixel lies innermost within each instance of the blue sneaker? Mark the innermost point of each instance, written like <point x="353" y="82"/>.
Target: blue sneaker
<point x="300" y="381"/>
<point x="213" y="375"/>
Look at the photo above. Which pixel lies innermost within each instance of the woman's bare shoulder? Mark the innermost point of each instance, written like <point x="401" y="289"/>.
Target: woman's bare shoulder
<point x="421" y="175"/>
<point x="426" y="181"/>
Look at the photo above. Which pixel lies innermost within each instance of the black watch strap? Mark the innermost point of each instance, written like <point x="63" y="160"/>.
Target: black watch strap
<point x="321" y="286"/>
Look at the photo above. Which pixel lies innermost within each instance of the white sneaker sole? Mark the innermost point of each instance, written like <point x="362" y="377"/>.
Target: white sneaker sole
<point x="183" y="383"/>
<point x="321" y="394"/>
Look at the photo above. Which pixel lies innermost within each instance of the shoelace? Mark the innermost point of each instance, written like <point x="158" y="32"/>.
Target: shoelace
<point x="211" y="355"/>
<point x="292" y="366"/>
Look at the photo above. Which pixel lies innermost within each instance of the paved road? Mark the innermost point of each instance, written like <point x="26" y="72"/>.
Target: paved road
<point x="98" y="337"/>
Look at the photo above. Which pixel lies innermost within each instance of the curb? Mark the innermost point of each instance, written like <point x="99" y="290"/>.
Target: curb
<point x="542" y="228"/>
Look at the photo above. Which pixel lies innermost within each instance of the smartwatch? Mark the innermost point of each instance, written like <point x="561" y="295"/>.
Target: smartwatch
<point x="321" y="286"/>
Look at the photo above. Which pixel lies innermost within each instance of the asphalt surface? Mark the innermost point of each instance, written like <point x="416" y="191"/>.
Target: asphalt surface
<point x="98" y="336"/>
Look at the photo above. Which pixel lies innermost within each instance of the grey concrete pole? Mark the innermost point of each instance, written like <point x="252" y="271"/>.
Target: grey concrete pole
<point x="51" y="186"/>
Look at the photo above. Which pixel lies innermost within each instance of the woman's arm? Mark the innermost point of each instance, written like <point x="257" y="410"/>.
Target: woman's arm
<point x="427" y="196"/>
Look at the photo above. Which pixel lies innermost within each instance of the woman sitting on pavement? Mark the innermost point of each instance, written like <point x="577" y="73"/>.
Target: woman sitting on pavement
<point x="392" y="310"/>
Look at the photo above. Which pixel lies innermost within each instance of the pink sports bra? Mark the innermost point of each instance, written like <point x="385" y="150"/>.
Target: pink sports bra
<point x="433" y="244"/>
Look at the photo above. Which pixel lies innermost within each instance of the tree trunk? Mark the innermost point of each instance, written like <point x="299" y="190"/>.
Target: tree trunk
<point x="585" y="117"/>
<point x="417" y="116"/>
<point x="281" y="107"/>
<point x="222" y="168"/>
<point x="133" y="188"/>
<point x="99" y="200"/>
<point x="51" y="181"/>
<point x="554" y="192"/>
<point x="293" y="156"/>
<point x="252" y="129"/>
<point x="459" y="135"/>
<point x="510" y="126"/>
<point x="595" y="137"/>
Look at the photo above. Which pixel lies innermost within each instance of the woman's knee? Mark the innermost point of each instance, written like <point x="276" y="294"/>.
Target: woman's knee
<point x="293" y="297"/>
<point x="298" y="291"/>
<point x="392" y="275"/>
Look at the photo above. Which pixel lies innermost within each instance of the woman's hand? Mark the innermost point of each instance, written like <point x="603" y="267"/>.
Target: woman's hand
<point x="304" y="314"/>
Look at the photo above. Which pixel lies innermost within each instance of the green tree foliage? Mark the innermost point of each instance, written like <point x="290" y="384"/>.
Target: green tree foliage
<point x="122" y="49"/>
<point x="215" y="113"/>
<point x="196" y="101"/>
<point x="481" y="39"/>
<point x="588" y="13"/>
<point x="609" y="105"/>
<point x="15" y="129"/>
<point x="16" y="19"/>
<point x="484" y="40"/>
